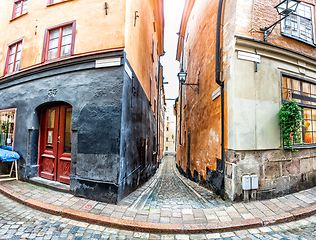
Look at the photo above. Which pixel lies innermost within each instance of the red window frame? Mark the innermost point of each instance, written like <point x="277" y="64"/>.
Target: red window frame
<point x="15" y="43"/>
<point x="47" y="35"/>
<point x="51" y="2"/>
<point x="23" y="2"/>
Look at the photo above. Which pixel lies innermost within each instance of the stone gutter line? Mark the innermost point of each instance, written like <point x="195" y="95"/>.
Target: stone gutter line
<point x="138" y="204"/>
<point x="159" y="227"/>
<point x="201" y="198"/>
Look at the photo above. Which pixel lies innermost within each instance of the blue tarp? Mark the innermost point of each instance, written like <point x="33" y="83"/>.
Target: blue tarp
<point x="7" y="148"/>
<point x="8" y="156"/>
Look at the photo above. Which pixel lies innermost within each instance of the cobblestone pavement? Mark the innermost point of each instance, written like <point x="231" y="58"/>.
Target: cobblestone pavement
<point x="21" y="222"/>
<point x="161" y="210"/>
<point x="171" y="193"/>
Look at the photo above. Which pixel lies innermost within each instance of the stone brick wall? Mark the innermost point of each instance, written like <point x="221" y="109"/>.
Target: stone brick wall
<point x="280" y="171"/>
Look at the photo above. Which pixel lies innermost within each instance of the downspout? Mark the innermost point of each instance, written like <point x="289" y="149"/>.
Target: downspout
<point x="221" y="84"/>
<point x="158" y="107"/>
<point x="180" y="125"/>
<point x="158" y="117"/>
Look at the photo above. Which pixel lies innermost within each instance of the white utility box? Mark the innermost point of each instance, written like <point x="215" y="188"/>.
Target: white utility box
<point x="254" y="182"/>
<point x="246" y="182"/>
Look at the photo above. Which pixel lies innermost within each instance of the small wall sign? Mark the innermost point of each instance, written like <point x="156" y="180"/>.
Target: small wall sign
<point x="108" y="62"/>
<point x="216" y="93"/>
<point x="128" y="71"/>
<point x="249" y="56"/>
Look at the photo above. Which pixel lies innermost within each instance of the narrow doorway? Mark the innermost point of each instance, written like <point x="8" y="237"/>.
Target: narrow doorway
<point x="55" y="143"/>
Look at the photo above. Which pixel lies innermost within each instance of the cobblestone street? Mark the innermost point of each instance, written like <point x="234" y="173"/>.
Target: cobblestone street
<point x="168" y="200"/>
<point x="21" y="222"/>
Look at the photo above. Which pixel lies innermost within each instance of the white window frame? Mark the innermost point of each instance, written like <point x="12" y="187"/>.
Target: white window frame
<point x="313" y="42"/>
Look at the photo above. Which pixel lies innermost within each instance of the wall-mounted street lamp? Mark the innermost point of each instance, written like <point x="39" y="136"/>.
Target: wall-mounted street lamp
<point x="285" y="8"/>
<point x="182" y="77"/>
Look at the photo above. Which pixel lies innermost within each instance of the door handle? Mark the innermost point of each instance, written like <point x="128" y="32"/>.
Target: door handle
<point x="58" y="139"/>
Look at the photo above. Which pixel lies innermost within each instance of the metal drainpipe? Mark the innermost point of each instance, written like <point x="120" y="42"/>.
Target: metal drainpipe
<point x="158" y="107"/>
<point x="158" y="115"/>
<point x="181" y="84"/>
<point x="221" y="84"/>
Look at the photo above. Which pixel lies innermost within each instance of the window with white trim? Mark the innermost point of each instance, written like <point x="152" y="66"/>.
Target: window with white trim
<point x="300" y="24"/>
<point x="19" y="8"/>
<point x="59" y="41"/>
<point x="14" y="55"/>
<point x="50" y="2"/>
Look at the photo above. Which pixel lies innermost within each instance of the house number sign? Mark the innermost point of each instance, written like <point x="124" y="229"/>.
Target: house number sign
<point x="52" y="92"/>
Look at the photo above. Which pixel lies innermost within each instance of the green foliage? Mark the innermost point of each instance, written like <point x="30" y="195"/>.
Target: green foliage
<point x="291" y="117"/>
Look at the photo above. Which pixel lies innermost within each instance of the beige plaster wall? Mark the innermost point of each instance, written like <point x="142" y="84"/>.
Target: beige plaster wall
<point x="257" y="96"/>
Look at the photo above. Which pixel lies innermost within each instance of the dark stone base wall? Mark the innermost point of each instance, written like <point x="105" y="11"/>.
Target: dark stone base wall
<point x="105" y="192"/>
<point x="214" y="180"/>
<point x="280" y="172"/>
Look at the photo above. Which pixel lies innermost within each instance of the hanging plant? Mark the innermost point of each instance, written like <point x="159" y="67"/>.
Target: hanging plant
<point x="291" y="117"/>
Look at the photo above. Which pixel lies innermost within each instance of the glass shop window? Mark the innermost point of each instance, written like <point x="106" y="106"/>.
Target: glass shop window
<point x="304" y="93"/>
<point x="7" y="125"/>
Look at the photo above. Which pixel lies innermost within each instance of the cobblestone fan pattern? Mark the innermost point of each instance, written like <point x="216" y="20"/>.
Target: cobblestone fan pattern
<point x="222" y="212"/>
<point x="20" y="222"/>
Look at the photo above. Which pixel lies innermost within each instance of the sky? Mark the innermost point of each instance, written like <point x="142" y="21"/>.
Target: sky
<point x="173" y="14"/>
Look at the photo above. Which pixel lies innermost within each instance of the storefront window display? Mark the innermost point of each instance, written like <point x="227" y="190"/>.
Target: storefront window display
<point x="7" y="124"/>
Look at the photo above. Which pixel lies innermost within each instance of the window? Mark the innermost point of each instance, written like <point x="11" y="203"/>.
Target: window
<point x="7" y="123"/>
<point x="59" y="41"/>
<point x="167" y="149"/>
<point x="19" y="8"/>
<point x="153" y="49"/>
<point x="167" y="118"/>
<point x="150" y="89"/>
<point x="13" y="59"/>
<point x="167" y="129"/>
<point x="304" y="93"/>
<point x="50" y="2"/>
<point x="299" y="25"/>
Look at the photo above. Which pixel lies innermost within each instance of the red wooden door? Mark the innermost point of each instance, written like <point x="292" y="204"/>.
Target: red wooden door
<point x="55" y="143"/>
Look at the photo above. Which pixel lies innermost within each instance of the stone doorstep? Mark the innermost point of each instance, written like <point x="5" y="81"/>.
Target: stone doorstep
<point x="159" y="227"/>
<point x="53" y="185"/>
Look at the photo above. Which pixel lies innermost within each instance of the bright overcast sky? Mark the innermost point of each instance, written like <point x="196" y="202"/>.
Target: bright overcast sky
<point x="173" y="14"/>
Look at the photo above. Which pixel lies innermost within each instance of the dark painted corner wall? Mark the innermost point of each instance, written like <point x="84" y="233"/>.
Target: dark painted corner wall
<point x="139" y="126"/>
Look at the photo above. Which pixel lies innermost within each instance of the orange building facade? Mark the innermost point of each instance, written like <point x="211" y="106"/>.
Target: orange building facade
<point x="83" y="80"/>
<point x="229" y="134"/>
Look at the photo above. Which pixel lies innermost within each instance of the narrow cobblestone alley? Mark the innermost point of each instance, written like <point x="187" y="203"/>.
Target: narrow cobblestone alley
<point x="170" y="192"/>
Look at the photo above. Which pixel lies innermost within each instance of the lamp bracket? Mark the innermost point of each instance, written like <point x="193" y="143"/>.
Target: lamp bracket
<point x="196" y="89"/>
<point x="266" y="30"/>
